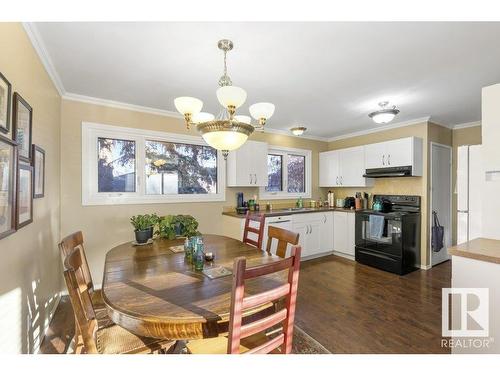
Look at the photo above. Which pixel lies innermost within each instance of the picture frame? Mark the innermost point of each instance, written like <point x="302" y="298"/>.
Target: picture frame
<point x="22" y="119"/>
<point x="8" y="172"/>
<point x="38" y="164"/>
<point x="24" y="195"/>
<point x="5" y="101"/>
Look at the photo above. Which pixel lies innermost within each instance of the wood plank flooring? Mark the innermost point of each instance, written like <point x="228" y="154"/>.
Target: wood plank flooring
<point x="346" y="306"/>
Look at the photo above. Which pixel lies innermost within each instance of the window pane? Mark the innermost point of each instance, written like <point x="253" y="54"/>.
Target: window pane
<point x="178" y="168"/>
<point x="296" y="174"/>
<point x="116" y="165"/>
<point x="274" y="173"/>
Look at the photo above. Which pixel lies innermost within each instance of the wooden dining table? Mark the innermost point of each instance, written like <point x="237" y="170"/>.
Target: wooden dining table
<point x="154" y="292"/>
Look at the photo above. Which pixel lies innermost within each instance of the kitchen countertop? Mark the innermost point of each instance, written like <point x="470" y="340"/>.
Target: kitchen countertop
<point x="484" y="249"/>
<point x="285" y="211"/>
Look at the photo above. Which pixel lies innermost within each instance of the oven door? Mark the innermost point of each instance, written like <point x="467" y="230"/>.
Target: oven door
<point x="390" y="243"/>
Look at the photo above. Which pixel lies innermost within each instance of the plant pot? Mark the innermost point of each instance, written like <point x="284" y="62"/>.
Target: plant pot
<point x="178" y="229"/>
<point x="142" y="236"/>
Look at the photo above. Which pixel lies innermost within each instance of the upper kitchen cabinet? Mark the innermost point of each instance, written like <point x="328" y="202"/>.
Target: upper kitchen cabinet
<point x="343" y="167"/>
<point x="403" y="152"/>
<point x="247" y="166"/>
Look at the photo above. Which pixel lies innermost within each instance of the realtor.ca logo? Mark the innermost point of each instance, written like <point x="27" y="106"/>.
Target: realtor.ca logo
<point x="465" y="315"/>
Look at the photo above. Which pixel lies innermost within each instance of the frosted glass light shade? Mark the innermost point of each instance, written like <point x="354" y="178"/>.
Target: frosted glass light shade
<point x="383" y="117"/>
<point x="202" y="117"/>
<point x="231" y="96"/>
<point x="188" y="104"/>
<point x="261" y="110"/>
<point x="225" y="140"/>
<point x="244" y="119"/>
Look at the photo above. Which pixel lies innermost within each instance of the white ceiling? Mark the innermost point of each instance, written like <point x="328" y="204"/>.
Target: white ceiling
<point x="325" y="76"/>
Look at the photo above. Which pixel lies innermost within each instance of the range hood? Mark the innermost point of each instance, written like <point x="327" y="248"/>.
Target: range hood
<point x="389" y="172"/>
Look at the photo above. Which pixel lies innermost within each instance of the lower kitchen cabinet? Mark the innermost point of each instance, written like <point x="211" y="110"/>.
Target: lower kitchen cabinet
<point x="343" y="232"/>
<point x="309" y="230"/>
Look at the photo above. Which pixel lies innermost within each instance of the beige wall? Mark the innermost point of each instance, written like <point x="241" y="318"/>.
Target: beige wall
<point x="461" y="137"/>
<point x="108" y="226"/>
<point x="30" y="266"/>
<point x="407" y="185"/>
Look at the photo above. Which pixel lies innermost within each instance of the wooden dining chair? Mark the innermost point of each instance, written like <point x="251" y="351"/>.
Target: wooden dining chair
<point x="100" y="340"/>
<point x="284" y="238"/>
<point x="250" y="338"/>
<point x="258" y="231"/>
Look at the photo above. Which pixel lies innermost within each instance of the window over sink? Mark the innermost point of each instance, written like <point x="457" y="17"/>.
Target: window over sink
<point x="132" y="166"/>
<point x="288" y="172"/>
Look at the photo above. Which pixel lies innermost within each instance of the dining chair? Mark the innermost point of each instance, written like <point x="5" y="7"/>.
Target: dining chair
<point x="100" y="340"/>
<point x="258" y="231"/>
<point x="284" y="238"/>
<point x="251" y="338"/>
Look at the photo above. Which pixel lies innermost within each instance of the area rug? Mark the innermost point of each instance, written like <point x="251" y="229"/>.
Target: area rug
<point x="305" y="344"/>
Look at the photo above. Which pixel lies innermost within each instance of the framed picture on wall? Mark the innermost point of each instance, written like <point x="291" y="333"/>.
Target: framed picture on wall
<point x="22" y="120"/>
<point x="8" y="161"/>
<point x="24" y="197"/>
<point x="5" y="93"/>
<point x="38" y="163"/>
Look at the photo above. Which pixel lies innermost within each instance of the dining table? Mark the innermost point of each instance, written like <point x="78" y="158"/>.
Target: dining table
<point x="153" y="291"/>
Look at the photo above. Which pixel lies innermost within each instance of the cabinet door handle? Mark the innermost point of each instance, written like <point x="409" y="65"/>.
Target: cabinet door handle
<point x="255" y="176"/>
<point x="389" y="159"/>
<point x="337" y="180"/>
<point x="250" y="175"/>
<point x="324" y="219"/>
<point x="310" y="226"/>
<point x="341" y="180"/>
<point x="383" y="159"/>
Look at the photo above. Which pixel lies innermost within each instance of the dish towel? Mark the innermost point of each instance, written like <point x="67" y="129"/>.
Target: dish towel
<point x="376" y="226"/>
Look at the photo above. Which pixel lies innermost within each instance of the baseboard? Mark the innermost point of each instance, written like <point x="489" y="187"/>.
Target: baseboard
<point x="310" y="257"/>
<point x="424" y="267"/>
<point x="347" y="256"/>
<point x="51" y="316"/>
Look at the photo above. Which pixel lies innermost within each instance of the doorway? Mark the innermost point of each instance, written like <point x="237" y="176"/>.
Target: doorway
<point x="440" y="197"/>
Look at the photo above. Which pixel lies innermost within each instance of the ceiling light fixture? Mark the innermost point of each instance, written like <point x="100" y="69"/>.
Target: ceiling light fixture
<point x="225" y="132"/>
<point x="298" y="131"/>
<point x="384" y="114"/>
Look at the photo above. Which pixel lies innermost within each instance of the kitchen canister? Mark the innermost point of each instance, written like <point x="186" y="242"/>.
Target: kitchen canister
<point x="340" y="202"/>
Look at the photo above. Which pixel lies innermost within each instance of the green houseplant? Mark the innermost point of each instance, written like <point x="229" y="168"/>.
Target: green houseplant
<point x="144" y="226"/>
<point x="171" y="226"/>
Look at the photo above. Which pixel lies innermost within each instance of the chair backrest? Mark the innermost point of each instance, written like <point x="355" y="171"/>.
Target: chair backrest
<point x="284" y="238"/>
<point x="70" y="243"/>
<point x="259" y="231"/>
<point x="80" y="299"/>
<point x="285" y="315"/>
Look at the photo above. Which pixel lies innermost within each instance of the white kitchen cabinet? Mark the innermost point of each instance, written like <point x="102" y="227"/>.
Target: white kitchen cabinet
<point x="343" y="232"/>
<point x="344" y="167"/>
<point x="309" y="228"/>
<point x="326" y="235"/>
<point x="247" y="166"/>
<point x="401" y="152"/>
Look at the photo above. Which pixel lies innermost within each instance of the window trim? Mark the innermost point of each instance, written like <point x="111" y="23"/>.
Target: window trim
<point x="284" y="194"/>
<point x="91" y="197"/>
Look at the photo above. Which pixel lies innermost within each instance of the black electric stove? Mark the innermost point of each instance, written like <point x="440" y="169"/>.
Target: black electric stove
<point x="391" y="244"/>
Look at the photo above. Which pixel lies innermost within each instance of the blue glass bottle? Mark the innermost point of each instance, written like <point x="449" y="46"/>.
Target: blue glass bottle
<point x="199" y="256"/>
<point x="188" y="250"/>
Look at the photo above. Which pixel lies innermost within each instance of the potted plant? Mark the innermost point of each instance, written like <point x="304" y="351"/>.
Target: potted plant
<point x="144" y="226"/>
<point x="171" y="226"/>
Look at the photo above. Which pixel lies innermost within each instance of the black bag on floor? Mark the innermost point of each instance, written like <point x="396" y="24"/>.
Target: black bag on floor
<point x="437" y="234"/>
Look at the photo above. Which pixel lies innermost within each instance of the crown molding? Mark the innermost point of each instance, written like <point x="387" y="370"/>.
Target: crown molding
<point x="466" y="125"/>
<point x="120" y="105"/>
<point x="40" y="48"/>
<point x="380" y="128"/>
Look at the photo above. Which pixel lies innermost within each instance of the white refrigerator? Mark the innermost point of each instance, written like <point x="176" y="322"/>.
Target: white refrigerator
<point x="470" y="180"/>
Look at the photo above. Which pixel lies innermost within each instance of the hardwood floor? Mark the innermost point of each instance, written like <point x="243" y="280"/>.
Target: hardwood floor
<point x="346" y="306"/>
<point x="352" y="308"/>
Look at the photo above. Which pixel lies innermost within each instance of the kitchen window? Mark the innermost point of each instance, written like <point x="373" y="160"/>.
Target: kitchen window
<point x="289" y="174"/>
<point x="132" y="166"/>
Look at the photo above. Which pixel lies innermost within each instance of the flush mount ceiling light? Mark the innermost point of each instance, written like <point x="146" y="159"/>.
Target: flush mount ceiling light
<point x="384" y="114"/>
<point x="225" y="132"/>
<point x="299" y="130"/>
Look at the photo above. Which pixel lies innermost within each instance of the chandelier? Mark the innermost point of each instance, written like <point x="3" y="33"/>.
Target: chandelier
<point x="227" y="131"/>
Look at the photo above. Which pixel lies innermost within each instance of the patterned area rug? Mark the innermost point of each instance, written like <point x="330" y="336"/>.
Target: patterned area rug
<point x="305" y="344"/>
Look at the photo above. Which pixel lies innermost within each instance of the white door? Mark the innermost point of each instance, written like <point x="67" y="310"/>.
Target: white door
<point x="243" y="166"/>
<point x="375" y="155"/>
<point x="258" y="160"/>
<point x="302" y="229"/>
<point x="329" y="169"/>
<point x="351" y="230"/>
<point x="351" y="163"/>
<point x="399" y="153"/>
<point x="340" y="231"/>
<point x="313" y="238"/>
<point x="326" y="241"/>
<point x="440" y="191"/>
